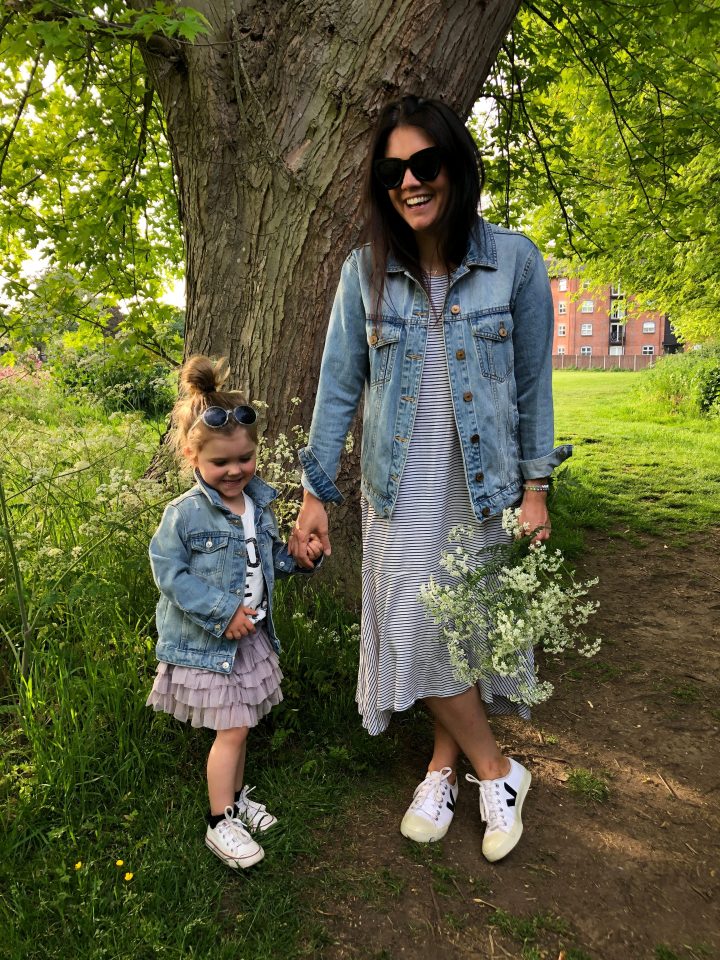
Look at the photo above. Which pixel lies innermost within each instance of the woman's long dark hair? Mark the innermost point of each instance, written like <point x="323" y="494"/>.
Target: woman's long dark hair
<point x="385" y="229"/>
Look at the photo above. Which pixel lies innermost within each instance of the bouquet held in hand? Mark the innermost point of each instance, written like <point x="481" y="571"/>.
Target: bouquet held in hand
<point x="507" y="598"/>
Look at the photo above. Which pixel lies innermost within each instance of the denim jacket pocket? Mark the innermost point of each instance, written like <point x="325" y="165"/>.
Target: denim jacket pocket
<point x="208" y="553"/>
<point x="492" y="335"/>
<point x="383" y="339"/>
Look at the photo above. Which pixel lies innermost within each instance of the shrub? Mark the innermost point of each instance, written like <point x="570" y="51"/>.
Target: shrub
<point x="117" y="377"/>
<point x="687" y="383"/>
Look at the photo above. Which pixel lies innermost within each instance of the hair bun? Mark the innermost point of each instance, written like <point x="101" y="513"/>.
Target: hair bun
<point x="201" y="376"/>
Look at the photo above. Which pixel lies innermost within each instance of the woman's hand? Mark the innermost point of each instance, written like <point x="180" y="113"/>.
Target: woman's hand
<point x="534" y="515"/>
<point x="312" y="520"/>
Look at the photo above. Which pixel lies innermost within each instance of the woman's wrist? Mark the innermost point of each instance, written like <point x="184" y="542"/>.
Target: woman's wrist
<point x="539" y="485"/>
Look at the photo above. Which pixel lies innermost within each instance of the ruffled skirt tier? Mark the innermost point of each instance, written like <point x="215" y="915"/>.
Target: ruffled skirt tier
<point x="222" y="701"/>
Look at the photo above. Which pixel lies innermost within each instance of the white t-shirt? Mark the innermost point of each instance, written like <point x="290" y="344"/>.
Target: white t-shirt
<point x="254" y="581"/>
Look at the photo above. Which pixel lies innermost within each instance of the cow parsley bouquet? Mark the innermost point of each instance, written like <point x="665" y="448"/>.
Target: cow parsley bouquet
<point x="507" y="598"/>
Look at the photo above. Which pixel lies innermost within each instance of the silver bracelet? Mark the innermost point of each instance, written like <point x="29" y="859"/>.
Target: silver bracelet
<point x="537" y="487"/>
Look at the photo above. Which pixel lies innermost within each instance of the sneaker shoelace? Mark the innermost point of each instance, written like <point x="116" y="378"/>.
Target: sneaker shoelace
<point x="432" y="789"/>
<point x="251" y="808"/>
<point x="233" y="834"/>
<point x="492" y="809"/>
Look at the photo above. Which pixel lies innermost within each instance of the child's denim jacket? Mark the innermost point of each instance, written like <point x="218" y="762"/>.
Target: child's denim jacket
<point x="498" y="330"/>
<point x="198" y="559"/>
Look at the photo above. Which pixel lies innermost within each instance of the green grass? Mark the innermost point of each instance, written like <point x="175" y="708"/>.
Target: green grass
<point x="635" y="469"/>
<point x="588" y="786"/>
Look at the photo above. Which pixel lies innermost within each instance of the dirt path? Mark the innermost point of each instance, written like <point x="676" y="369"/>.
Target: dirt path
<point x="635" y="876"/>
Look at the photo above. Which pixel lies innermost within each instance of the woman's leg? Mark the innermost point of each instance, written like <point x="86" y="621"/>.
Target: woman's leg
<point x="222" y="767"/>
<point x="445" y="751"/>
<point x="461" y="723"/>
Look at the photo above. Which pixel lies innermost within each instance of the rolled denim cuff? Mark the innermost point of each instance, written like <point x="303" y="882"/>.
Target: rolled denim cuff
<point x="544" y="466"/>
<point x="315" y="480"/>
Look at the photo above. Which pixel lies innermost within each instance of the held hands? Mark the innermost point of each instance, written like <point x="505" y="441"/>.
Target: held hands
<point x="310" y="537"/>
<point x="241" y="624"/>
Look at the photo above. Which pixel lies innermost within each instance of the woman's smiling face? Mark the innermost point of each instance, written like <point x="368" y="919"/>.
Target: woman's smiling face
<point x="419" y="203"/>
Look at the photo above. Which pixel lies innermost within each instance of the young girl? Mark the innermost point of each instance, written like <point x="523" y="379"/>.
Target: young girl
<point x="214" y="558"/>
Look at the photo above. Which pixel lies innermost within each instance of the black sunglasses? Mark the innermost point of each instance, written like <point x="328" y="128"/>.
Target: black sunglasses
<point x="424" y="165"/>
<point x="216" y="417"/>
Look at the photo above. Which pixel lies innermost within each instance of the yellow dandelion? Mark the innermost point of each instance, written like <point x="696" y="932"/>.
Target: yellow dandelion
<point x="119" y="863"/>
<point x="128" y="876"/>
<point x="78" y="865"/>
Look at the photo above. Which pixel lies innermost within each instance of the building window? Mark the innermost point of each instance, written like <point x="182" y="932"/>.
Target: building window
<point x="562" y="330"/>
<point x="586" y="329"/>
<point x="649" y="326"/>
<point x="648" y="350"/>
<point x="562" y="283"/>
<point x="617" y="311"/>
<point x="586" y="351"/>
<point x="616" y="290"/>
<point x="562" y="307"/>
<point x="561" y="351"/>
<point x="587" y="306"/>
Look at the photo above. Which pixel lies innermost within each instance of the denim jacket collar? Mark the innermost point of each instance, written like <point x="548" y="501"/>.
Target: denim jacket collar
<point x="260" y="493"/>
<point x="481" y="252"/>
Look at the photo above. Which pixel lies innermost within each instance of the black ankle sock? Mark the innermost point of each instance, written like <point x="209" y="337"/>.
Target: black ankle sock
<point x="213" y="820"/>
<point x="237" y="795"/>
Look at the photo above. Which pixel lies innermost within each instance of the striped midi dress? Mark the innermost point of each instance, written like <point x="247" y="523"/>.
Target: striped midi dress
<point x="402" y="656"/>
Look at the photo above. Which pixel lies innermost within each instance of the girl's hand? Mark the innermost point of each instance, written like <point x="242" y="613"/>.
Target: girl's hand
<point x="314" y="547"/>
<point x="312" y="520"/>
<point x="535" y="517"/>
<point x="241" y="624"/>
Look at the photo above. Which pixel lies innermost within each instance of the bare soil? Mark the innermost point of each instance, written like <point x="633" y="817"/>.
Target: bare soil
<point x="636" y="875"/>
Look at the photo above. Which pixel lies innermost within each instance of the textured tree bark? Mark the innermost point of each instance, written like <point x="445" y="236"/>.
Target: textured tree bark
<point x="268" y="119"/>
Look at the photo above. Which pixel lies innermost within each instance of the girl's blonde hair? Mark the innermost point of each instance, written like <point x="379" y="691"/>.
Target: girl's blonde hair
<point x="201" y="386"/>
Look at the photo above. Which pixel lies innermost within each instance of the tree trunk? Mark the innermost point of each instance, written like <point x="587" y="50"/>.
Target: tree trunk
<point x="268" y="118"/>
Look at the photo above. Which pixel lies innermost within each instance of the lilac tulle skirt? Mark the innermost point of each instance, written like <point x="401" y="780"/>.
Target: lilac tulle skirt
<point x="222" y="701"/>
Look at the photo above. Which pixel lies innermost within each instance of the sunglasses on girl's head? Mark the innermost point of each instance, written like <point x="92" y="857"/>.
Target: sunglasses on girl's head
<point x="216" y="417"/>
<point x="424" y="165"/>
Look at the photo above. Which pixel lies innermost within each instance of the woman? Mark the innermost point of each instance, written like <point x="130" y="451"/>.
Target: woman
<point x="445" y="322"/>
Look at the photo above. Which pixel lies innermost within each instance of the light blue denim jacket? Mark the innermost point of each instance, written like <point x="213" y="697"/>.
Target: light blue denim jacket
<point x="498" y="330"/>
<point x="198" y="559"/>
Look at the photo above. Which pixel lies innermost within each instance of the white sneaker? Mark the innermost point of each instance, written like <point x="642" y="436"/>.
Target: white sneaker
<point x="253" y="815"/>
<point x="231" y="842"/>
<point x="501" y="804"/>
<point x="430" y="814"/>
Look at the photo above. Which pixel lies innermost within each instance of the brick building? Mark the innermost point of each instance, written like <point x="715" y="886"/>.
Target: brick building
<point x="596" y="323"/>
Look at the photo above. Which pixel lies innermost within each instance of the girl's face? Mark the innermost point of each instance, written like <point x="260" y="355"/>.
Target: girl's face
<point x="419" y="203"/>
<point x="227" y="462"/>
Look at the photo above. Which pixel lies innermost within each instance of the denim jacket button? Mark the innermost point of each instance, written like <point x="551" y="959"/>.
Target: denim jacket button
<point x="479" y="476"/>
<point x="467" y="396"/>
<point x="226" y="665"/>
<point x="485" y="511"/>
<point x="460" y="355"/>
<point x="502" y="332"/>
<point x="373" y="340"/>
<point x="475" y="438"/>
<point x="455" y="309"/>
<point x="218" y="627"/>
<point x="208" y="544"/>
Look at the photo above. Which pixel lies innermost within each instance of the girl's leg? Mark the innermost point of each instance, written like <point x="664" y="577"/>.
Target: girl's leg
<point x="462" y="724"/>
<point x="222" y="766"/>
<point x="240" y="769"/>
